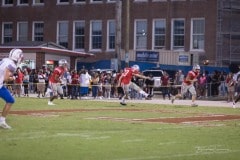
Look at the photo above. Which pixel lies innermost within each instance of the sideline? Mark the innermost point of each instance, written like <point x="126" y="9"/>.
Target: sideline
<point x="216" y="102"/>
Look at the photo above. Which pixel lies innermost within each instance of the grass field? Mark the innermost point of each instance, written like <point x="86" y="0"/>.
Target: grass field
<point x="98" y="130"/>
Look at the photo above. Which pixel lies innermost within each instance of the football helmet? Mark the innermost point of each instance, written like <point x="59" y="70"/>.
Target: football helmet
<point x="136" y="67"/>
<point x="63" y="62"/>
<point x="16" y="55"/>
<point x="196" y="67"/>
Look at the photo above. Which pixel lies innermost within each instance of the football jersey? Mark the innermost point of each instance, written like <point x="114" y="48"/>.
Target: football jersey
<point x="6" y="63"/>
<point x="127" y="75"/>
<point x="191" y="75"/>
<point x="58" y="71"/>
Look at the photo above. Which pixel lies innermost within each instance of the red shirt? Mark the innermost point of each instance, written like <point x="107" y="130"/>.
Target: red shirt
<point x="19" y="78"/>
<point x="75" y="78"/>
<point x="127" y="75"/>
<point x="164" y="80"/>
<point x="57" y="72"/>
<point x="191" y="75"/>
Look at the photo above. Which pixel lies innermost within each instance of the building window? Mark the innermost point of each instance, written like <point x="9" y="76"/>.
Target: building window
<point x="7" y="32"/>
<point x="63" y="1"/>
<point x="62" y="34"/>
<point x="141" y="34"/>
<point x="96" y="1"/>
<point x="159" y="34"/>
<point x="7" y="2"/>
<point x="79" y="38"/>
<point x="22" y="2"/>
<point x="111" y="34"/>
<point x="140" y="0"/>
<point x="198" y="34"/>
<point x="178" y="29"/>
<point x="22" y="31"/>
<point x="38" y="2"/>
<point x="38" y="31"/>
<point x="79" y="1"/>
<point x="96" y="35"/>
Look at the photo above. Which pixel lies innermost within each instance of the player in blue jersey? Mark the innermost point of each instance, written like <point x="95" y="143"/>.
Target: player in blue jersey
<point x="7" y="68"/>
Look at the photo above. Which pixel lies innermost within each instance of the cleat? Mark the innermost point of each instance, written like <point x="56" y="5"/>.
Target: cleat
<point x="233" y="105"/>
<point x="172" y="100"/>
<point x="194" y="105"/>
<point x="123" y="103"/>
<point x="50" y="103"/>
<point x="149" y="97"/>
<point x="4" y="125"/>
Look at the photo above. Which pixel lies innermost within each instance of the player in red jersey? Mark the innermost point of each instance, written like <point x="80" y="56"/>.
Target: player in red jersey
<point x="188" y="85"/>
<point x="126" y="83"/>
<point x="55" y="80"/>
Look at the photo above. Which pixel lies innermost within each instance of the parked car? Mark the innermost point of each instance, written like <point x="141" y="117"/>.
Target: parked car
<point x="157" y="74"/>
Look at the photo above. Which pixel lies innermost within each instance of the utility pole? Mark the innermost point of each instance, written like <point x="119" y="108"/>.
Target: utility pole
<point x="118" y="32"/>
<point x="126" y="43"/>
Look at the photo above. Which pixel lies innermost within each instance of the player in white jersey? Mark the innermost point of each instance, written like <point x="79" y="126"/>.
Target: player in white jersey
<point x="7" y="68"/>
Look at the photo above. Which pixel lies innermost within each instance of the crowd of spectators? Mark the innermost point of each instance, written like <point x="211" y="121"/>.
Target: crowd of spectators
<point x="81" y="83"/>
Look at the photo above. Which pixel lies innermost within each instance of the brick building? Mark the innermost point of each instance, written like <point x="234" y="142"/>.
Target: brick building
<point x="157" y="32"/>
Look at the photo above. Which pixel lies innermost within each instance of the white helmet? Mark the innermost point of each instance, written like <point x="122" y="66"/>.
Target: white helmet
<point x="196" y="67"/>
<point x="62" y="62"/>
<point x="136" y="67"/>
<point x="16" y="55"/>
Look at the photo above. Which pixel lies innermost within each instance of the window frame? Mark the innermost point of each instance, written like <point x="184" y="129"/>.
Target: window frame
<point x="82" y="2"/>
<point x="197" y="34"/>
<point x="22" y="4"/>
<point x="10" y="36"/>
<point x="100" y="36"/>
<point x="22" y="37"/>
<point x="154" y="46"/>
<point x="111" y="35"/>
<point x="34" y="29"/>
<point x="64" y="36"/>
<point x="7" y="5"/>
<point x="81" y="35"/>
<point x="63" y="3"/>
<point x="140" y="35"/>
<point x="173" y="47"/>
<point x="38" y="3"/>
<point x="96" y="1"/>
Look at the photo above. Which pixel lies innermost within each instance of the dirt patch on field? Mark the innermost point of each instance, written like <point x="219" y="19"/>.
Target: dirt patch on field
<point x="192" y="119"/>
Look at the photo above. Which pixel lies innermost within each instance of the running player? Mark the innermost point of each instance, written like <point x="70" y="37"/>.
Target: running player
<point x="7" y="68"/>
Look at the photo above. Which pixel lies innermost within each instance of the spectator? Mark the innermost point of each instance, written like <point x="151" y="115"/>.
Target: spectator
<point x="120" y="91"/>
<point x="149" y="84"/>
<point x="230" y="87"/>
<point x="41" y="83"/>
<point x="165" y="85"/>
<point x="26" y="83"/>
<point x="215" y="83"/>
<point x="95" y="81"/>
<point x="237" y="81"/>
<point x="201" y="85"/>
<point x="107" y="85"/>
<point x="222" y="86"/>
<point x="179" y="78"/>
<point x="18" y="82"/>
<point x="74" y="84"/>
<point x="85" y="79"/>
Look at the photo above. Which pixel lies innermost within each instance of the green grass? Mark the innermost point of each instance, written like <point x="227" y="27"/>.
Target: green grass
<point x="82" y="136"/>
